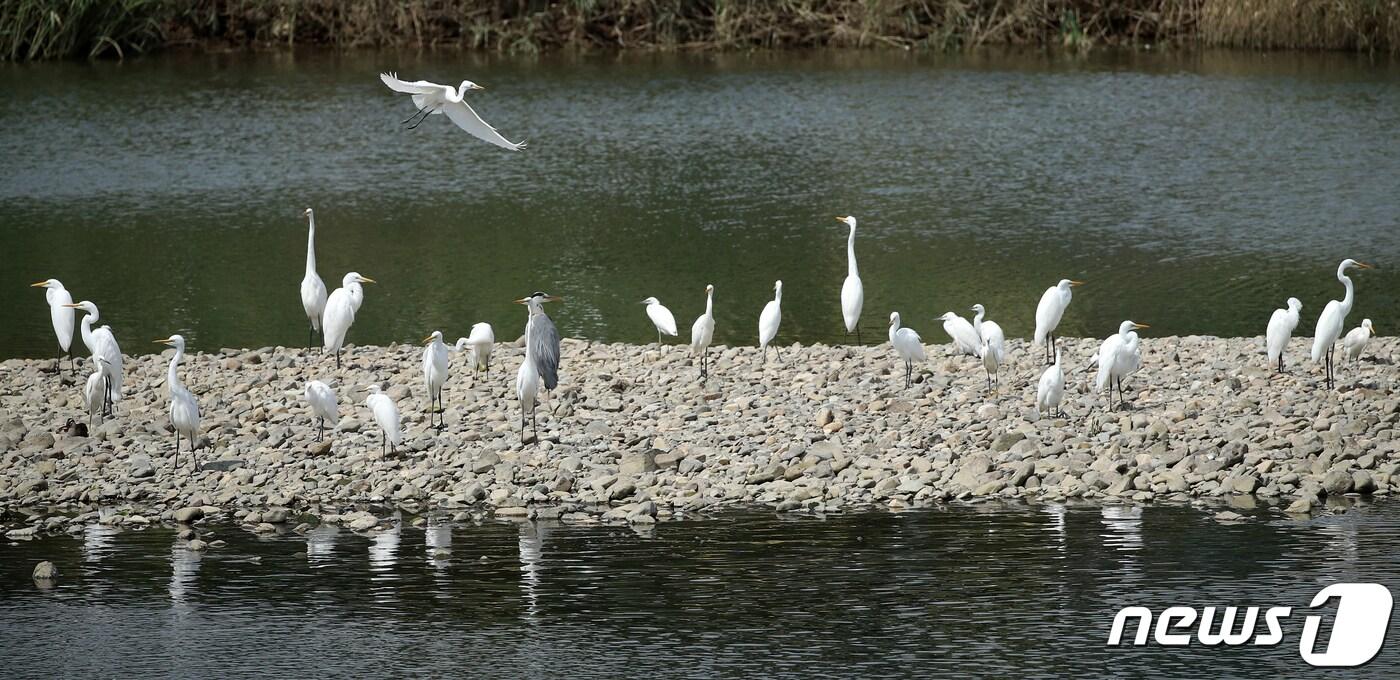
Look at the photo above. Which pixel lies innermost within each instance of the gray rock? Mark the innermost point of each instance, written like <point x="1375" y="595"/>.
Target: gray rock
<point x="45" y="571"/>
<point x="635" y="463"/>
<point x="187" y="515"/>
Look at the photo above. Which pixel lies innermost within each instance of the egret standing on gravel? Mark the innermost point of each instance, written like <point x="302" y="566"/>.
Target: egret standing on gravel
<point x="908" y="345"/>
<point x="1049" y="312"/>
<point x="313" y="289"/>
<point x="1051" y="390"/>
<point x="341" y="307"/>
<point x="852" y="291"/>
<point x="324" y="406"/>
<point x="1118" y="358"/>
<point x="431" y="98"/>
<point x="480" y="342"/>
<point x="769" y="321"/>
<point x="386" y="415"/>
<point x="435" y="375"/>
<point x="184" y="410"/>
<point x="661" y="317"/>
<point x="1333" y="318"/>
<point x="965" y="337"/>
<point x="94" y="394"/>
<point x="987" y="330"/>
<point x="102" y="343"/>
<point x="703" y="331"/>
<point x="1355" y="341"/>
<point x="541" y="364"/>
<point x="1281" y="326"/>
<point x="61" y="314"/>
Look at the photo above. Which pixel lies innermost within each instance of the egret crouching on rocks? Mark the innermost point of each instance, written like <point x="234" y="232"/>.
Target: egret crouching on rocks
<point x="1051" y="390"/>
<point x="386" y="415"/>
<point x="61" y="315"/>
<point x="965" y="337"/>
<point x="703" y="331"/>
<point x="324" y="406"/>
<point x="184" y="410"/>
<point x="435" y="375"/>
<point x="908" y="345"/>
<point x="480" y="342"/>
<point x="661" y="317"/>
<point x="1332" y="319"/>
<point x="1049" y="311"/>
<point x="1281" y="326"/>
<point x="1355" y="342"/>
<point x="1119" y="357"/>
<point x="769" y="320"/>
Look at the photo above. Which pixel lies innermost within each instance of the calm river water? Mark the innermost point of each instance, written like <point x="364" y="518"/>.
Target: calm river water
<point x="1194" y="192"/>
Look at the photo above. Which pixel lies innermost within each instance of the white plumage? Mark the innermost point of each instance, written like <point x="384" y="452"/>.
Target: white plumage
<point x="852" y="290"/>
<point x="908" y="345"/>
<point x="965" y="337"/>
<point x="341" y="307"/>
<point x="992" y="356"/>
<point x="313" y="289"/>
<point x="480" y="341"/>
<point x="661" y="317"/>
<point x="988" y="331"/>
<point x="1050" y="392"/>
<point x="702" y="332"/>
<point x="1119" y="357"/>
<point x="325" y="406"/>
<point x="101" y="342"/>
<point x="60" y="313"/>
<point x="92" y="390"/>
<point x="1051" y="308"/>
<point x="386" y="415"/>
<point x="1334" y="318"/>
<point x="184" y="409"/>
<point x="432" y="98"/>
<point x="1355" y="341"/>
<point x="434" y="373"/>
<point x="1281" y="325"/>
<point x="770" y="319"/>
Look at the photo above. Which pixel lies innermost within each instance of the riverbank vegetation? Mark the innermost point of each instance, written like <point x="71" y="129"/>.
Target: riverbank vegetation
<point x="42" y="29"/>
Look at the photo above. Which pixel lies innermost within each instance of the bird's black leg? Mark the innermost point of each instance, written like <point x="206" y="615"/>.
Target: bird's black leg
<point x="337" y="360"/>
<point x="534" y="425"/>
<point x="177" y="449"/>
<point x="858" y="341"/>
<point x="425" y="113"/>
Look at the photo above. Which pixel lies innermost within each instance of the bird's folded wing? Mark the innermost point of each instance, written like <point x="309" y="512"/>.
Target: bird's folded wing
<point x="466" y="118"/>
<point x="415" y="87"/>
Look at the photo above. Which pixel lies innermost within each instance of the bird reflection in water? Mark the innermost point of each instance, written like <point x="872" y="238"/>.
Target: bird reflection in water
<point x="320" y="545"/>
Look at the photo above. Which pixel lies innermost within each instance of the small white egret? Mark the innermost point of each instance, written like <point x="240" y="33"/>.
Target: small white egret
<point x="386" y="415"/>
<point x="94" y="396"/>
<point x="313" y="290"/>
<point x="1049" y="311"/>
<point x="702" y="332"/>
<point x="769" y="320"/>
<point x="1355" y="341"/>
<point x="1119" y="357"/>
<point x="61" y="314"/>
<point x="184" y="409"/>
<point x="435" y="375"/>
<point x="102" y="343"/>
<point x="341" y="308"/>
<point x="1281" y="326"/>
<point x="987" y="330"/>
<point x="1051" y="390"/>
<point x="908" y="345"/>
<point x="324" y="406"/>
<point x="852" y="290"/>
<point x="661" y="317"/>
<point x="480" y="342"/>
<point x="1333" y="318"/>
<point x="541" y="364"/>
<point x="431" y="98"/>
<point x="992" y="357"/>
<point x="965" y="337"/>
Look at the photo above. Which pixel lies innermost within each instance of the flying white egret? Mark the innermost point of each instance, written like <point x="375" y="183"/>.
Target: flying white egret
<point x="1119" y="357"/>
<point x="324" y="406"/>
<point x="852" y="290"/>
<point x="661" y="317"/>
<point x="1355" y="341"/>
<point x="61" y="314"/>
<point x="435" y="374"/>
<point x="965" y="337"/>
<point x="1049" y="312"/>
<point x="102" y="343"/>
<point x="1051" y="390"/>
<point x="1281" y="326"/>
<point x="702" y="332"/>
<point x="386" y="415"/>
<point x="908" y="345"/>
<point x="341" y="308"/>
<point x="1333" y="318"/>
<point x="541" y="364"/>
<point x="184" y="410"/>
<point x="313" y="290"/>
<point x="94" y="396"/>
<point x="769" y="321"/>
<point x="480" y="342"/>
<point x="431" y="98"/>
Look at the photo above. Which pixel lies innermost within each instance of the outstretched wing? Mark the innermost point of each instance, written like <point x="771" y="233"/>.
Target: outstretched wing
<point x="415" y="87"/>
<point x="466" y="118"/>
<point x="544" y="345"/>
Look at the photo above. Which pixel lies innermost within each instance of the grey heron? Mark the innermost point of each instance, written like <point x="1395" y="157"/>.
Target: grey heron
<point x="541" y="364"/>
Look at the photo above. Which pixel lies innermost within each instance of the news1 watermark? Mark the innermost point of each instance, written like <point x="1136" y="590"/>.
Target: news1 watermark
<point x="1359" y="625"/>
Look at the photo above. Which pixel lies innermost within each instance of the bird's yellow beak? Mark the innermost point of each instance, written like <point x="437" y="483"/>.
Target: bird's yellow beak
<point x="521" y="301"/>
<point x="840" y="218"/>
<point x="164" y="341"/>
<point x="41" y="284"/>
<point x="553" y="298"/>
<point x="1363" y="265"/>
<point x="1141" y="325"/>
<point x="74" y="306"/>
<point x="427" y="339"/>
<point x="366" y="279"/>
<point x="1075" y="283"/>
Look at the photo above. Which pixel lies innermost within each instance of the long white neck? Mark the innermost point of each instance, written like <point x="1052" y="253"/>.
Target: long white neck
<point x="977" y="320"/>
<point x="778" y="295"/>
<point x="87" y="331"/>
<point x="172" y="379"/>
<point x="710" y="303"/>
<point x="851" y="254"/>
<point x="1346" y="281"/>
<point x="311" y="246"/>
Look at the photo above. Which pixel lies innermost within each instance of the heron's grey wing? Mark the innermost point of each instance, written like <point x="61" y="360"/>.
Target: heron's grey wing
<point x="415" y="87"/>
<point x="465" y="117"/>
<point x="544" y="345"/>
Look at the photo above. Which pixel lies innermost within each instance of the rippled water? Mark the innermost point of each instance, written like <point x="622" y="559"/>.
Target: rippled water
<point x="1193" y="191"/>
<point x="1010" y="591"/>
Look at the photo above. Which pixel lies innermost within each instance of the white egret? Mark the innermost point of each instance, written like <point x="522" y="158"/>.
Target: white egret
<point x="94" y="396"/>
<point x="702" y="332"/>
<point x="852" y="290"/>
<point x="102" y="343"/>
<point x="1281" y="326"/>
<point x="480" y="342"/>
<point x="908" y="345"/>
<point x="61" y="314"/>
<point x="313" y="290"/>
<point x="1355" y="341"/>
<point x="386" y="415"/>
<point x="992" y="357"/>
<point x="1119" y="357"/>
<point x="541" y="364"/>
<point x="1049" y="311"/>
<point x="184" y="409"/>
<point x="965" y="337"/>
<point x="1333" y="318"/>
<point x="435" y="374"/>
<point x="661" y="317"/>
<point x="769" y="320"/>
<point x="1051" y="390"/>
<point x="431" y="98"/>
<point x="324" y="406"/>
<point x="341" y="308"/>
